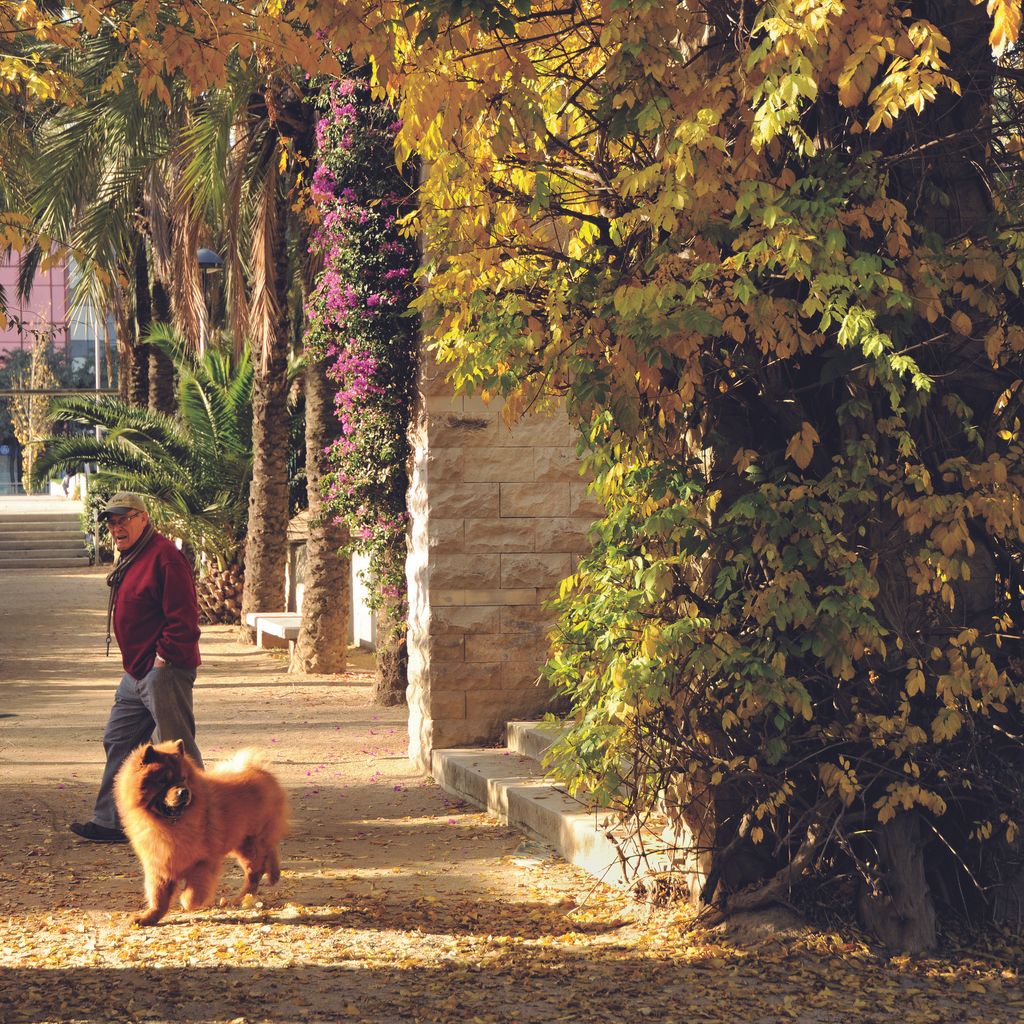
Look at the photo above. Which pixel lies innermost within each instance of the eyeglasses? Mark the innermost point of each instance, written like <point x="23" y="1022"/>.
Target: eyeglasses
<point x="113" y="521"/>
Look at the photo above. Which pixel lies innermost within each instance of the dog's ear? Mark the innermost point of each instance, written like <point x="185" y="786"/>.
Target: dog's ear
<point x="149" y="755"/>
<point x="179" y="747"/>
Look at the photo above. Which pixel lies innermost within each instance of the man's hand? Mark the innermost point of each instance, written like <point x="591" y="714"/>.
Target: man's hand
<point x="158" y="662"/>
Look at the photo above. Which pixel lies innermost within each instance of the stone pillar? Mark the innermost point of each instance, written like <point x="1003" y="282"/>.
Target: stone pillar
<point x="498" y="518"/>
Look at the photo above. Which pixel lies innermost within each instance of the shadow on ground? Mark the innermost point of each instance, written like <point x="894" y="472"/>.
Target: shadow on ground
<point x="585" y="988"/>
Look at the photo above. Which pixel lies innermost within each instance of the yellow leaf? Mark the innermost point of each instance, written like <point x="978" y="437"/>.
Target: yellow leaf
<point x="743" y="459"/>
<point x="1005" y="16"/>
<point x="946" y="724"/>
<point x="801" y="446"/>
<point x="915" y="682"/>
<point x="961" y="323"/>
<point x="90" y="18"/>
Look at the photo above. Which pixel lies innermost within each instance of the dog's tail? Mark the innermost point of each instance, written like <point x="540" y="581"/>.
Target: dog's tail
<point x="248" y="758"/>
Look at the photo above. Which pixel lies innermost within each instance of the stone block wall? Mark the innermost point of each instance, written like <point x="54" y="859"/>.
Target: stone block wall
<point x="498" y="519"/>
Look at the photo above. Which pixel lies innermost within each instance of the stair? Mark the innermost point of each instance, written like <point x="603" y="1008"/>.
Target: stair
<point x="42" y="539"/>
<point x="510" y="783"/>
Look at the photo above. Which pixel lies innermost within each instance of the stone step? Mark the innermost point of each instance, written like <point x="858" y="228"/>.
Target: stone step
<point x="44" y="535"/>
<point x="45" y="562"/>
<point x="39" y="547"/>
<point x="55" y="542"/>
<point x="533" y="739"/>
<point x="513" y="787"/>
<point x="44" y="524"/>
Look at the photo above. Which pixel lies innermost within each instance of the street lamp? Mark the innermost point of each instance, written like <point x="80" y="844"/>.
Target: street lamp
<point x="209" y="263"/>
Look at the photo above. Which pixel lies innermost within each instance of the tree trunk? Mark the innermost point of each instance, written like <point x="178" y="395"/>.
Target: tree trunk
<point x="951" y="140"/>
<point x="161" y="369"/>
<point x="138" y="372"/>
<point x="900" y="912"/>
<point x="108" y="352"/>
<point x="125" y="325"/>
<point x="392" y="678"/>
<point x="322" y="645"/>
<point x="1008" y="895"/>
<point x="266" y="544"/>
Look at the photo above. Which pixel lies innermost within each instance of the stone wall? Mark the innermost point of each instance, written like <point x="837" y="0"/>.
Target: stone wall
<point x="498" y="519"/>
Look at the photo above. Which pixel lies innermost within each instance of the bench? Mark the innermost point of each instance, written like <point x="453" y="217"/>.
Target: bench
<point x="282" y="625"/>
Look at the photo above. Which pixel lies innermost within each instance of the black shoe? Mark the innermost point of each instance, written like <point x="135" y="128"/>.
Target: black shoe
<point x="98" y="833"/>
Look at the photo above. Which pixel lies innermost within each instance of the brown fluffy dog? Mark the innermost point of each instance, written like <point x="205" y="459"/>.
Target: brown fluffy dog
<point x="183" y="822"/>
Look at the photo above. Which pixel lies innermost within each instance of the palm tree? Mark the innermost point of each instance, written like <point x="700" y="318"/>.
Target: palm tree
<point x="105" y="179"/>
<point x="322" y="644"/>
<point x="209" y="172"/>
<point x="234" y="146"/>
<point x="33" y="82"/>
<point x="194" y="467"/>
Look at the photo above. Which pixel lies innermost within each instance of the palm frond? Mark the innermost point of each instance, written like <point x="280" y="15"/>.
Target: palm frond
<point x="68" y="454"/>
<point x="195" y="467"/>
<point x="265" y="308"/>
<point x="27" y="267"/>
<point x="143" y="429"/>
<point x="187" y="287"/>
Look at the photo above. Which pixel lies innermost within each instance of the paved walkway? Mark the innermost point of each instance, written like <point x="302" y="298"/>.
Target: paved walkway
<point x="26" y="504"/>
<point x="394" y="904"/>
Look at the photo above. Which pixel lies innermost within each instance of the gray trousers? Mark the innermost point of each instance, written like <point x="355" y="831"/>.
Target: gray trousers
<point x="157" y="706"/>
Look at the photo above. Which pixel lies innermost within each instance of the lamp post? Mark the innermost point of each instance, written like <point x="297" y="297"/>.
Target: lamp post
<point x="209" y="263"/>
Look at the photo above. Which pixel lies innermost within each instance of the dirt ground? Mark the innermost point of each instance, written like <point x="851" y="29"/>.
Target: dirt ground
<point x="396" y="903"/>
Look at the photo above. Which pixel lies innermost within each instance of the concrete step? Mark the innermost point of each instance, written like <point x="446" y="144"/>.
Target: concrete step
<point x="58" y="542"/>
<point x="45" y="563"/>
<point x="533" y="739"/>
<point x="41" y="513"/>
<point x="44" y="535"/>
<point x="513" y="787"/>
<point x="38" y="524"/>
<point x="36" y="535"/>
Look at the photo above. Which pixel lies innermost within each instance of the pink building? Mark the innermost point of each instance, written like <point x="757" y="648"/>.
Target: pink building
<point x="45" y="309"/>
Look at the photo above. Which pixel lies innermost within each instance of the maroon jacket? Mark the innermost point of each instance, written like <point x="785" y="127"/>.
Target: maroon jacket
<point x="155" y="610"/>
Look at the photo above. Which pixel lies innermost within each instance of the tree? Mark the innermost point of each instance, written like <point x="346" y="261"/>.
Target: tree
<point x="359" y="322"/>
<point x="30" y="83"/>
<point x="770" y="256"/>
<point x="759" y="252"/>
<point x="265" y="549"/>
<point x="29" y="412"/>
<point x="275" y="123"/>
<point x="322" y="644"/>
<point x="105" y="185"/>
<point x="194" y="467"/>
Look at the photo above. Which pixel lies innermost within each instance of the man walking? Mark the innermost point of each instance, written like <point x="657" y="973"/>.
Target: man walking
<point x="155" y="618"/>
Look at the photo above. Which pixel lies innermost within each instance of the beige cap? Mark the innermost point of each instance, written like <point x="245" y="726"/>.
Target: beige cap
<point x="124" y="501"/>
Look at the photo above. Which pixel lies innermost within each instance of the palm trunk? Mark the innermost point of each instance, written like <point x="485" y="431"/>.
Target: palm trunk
<point x="138" y="372"/>
<point x="322" y="645"/>
<point x="125" y="326"/>
<point x="266" y="541"/>
<point x="108" y="351"/>
<point x="266" y="544"/>
<point x="161" y="369"/>
<point x="392" y="678"/>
